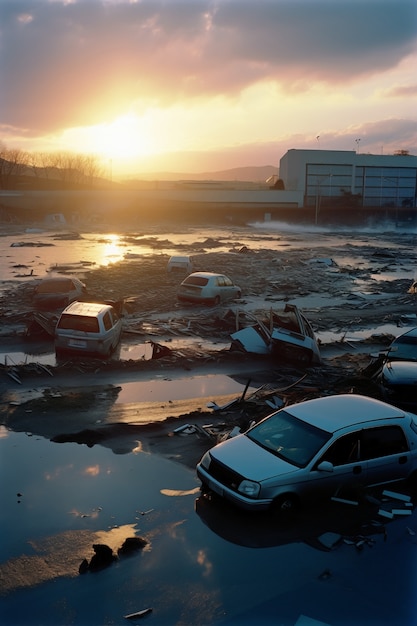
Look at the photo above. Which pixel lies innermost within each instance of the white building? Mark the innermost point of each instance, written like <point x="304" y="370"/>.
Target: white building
<point x="350" y="178"/>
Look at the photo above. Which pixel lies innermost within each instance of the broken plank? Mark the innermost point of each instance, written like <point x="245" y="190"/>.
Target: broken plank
<point x="396" y="496"/>
<point x="401" y="512"/>
<point x="138" y="614"/>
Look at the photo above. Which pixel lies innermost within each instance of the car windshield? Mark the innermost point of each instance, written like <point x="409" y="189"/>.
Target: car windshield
<point x="200" y="281"/>
<point x="404" y="349"/>
<point x="289" y="438"/>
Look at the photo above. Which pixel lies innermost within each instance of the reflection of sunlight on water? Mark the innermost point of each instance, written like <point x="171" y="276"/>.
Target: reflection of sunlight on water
<point x="115" y="537"/>
<point x="110" y="252"/>
<point x="180" y="492"/>
<point x="202" y="559"/>
<point x="93" y="470"/>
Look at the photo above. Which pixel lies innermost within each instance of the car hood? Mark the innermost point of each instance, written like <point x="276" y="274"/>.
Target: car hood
<point x="400" y="373"/>
<point x="248" y="459"/>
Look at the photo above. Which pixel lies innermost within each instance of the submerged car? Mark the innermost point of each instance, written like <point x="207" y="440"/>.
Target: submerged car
<point x="399" y="371"/>
<point x="88" y="328"/>
<point x="313" y="449"/>
<point x="54" y="293"/>
<point x="207" y="288"/>
<point x="288" y="336"/>
<point x="183" y="264"/>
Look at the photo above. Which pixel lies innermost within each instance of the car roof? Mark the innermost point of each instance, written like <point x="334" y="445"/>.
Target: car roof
<point x="90" y="309"/>
<point x="332" y="413"/>
<point x="205" y="274"/>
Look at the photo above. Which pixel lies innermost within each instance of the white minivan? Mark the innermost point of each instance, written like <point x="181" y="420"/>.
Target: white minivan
<point x="88" y="328"/>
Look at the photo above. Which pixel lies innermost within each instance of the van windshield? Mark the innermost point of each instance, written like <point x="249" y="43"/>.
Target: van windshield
<point x="82" y="323"/>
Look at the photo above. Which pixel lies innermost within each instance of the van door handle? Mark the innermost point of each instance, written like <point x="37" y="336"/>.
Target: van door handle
<point x="402" y="460"/>
<point x="357" y="469"/>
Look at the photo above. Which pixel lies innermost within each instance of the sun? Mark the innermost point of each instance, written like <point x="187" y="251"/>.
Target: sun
<point x="124" y="138"/>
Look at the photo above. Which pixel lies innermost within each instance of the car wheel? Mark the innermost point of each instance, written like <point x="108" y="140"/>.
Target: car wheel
<point x="285" y="505"/>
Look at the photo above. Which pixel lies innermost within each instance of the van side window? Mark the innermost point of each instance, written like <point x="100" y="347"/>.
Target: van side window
<point x="107" y="321"/>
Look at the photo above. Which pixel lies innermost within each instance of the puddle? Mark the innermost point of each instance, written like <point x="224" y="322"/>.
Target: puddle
<point x="126" y="351"/>
<point x="161" y="389"/>
<point x="329" y="337"/>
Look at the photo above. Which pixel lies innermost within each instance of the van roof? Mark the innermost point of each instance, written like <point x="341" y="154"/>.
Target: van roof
<point x="86" y="308"/>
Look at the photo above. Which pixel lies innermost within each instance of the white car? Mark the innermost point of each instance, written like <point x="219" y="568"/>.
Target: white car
<point x="183" y="264"/>
<point x="312" y="449"/>
<point x="88" y="328"/>
<point x="207" y="288"/>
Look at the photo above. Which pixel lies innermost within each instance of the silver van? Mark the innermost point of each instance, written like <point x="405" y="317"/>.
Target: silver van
<point x="88" y="328"/>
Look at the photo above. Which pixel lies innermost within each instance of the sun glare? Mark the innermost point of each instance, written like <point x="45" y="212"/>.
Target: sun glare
<point x="112" y="251"/>
<point x="122" y="139"/>
<point x="127" y="137"/>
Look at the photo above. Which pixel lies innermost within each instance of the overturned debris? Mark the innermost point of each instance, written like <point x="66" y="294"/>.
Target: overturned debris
<point x="288" y="336"/>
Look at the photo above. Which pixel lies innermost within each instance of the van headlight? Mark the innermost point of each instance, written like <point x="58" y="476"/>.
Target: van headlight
<point x="206" y="460"/>
<point x="249" y="488"/>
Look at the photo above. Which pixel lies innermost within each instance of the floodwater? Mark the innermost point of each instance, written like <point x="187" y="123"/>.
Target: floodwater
<point x="35" y="253"/>
<point x="204" y="563"/>
<point x="24" y="262"/>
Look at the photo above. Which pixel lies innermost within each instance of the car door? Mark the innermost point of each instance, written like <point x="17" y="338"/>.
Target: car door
<point x="386" y="451"/>
<point x="346" y="468"/>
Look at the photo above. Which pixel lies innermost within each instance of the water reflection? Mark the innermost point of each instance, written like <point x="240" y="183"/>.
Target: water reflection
<point x="261" y="530"/>
<point x="112" y="251"/>
<point x="199" y="569"/>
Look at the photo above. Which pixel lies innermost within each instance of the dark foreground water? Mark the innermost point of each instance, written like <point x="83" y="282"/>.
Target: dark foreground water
<point x="204" y="563"/>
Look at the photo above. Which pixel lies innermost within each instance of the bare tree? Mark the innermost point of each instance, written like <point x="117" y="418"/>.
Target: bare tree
<point x="13" y="163"/>
<point x="67" y="168"/>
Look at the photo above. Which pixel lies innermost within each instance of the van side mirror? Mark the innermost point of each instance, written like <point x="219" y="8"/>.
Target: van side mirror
<point x="325" y="466"/>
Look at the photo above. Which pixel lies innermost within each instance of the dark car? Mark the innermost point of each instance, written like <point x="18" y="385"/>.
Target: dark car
<point x="59" y="292"/>
<point x="398" y="377"/>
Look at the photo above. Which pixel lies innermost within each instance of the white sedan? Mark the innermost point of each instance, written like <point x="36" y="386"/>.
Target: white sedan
<point x="313" y="449"/>
<point x="207" y="288"/>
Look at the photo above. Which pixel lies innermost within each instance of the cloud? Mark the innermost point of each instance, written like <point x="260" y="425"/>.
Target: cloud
<point x="81" y="62"/>
<point x="401" y="91"/>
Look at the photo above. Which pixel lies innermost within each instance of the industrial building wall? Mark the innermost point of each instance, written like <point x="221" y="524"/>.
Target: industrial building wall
<point x="345" y="177"/>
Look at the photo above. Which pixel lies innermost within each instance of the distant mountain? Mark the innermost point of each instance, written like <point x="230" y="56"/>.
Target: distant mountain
<point x="246" y="174"/>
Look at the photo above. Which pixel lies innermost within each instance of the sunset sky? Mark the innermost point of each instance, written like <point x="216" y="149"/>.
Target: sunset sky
<point x="206" y="85"/>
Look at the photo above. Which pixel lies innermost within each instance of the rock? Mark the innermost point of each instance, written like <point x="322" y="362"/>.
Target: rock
<point x="103" y="557"/>
<point x="131" y="545"/>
